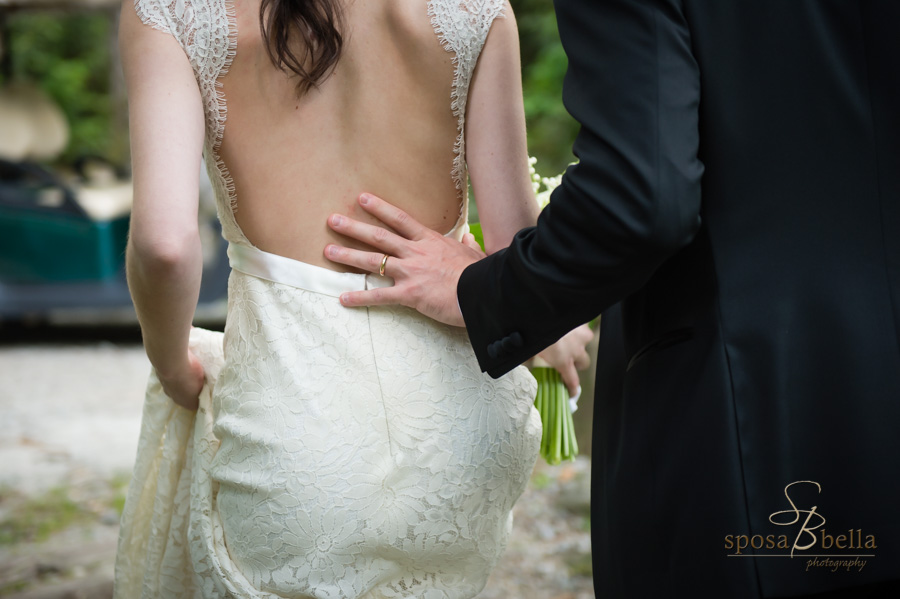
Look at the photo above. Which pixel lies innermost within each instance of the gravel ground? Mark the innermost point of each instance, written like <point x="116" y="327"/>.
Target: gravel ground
<point x="71" y="410"/>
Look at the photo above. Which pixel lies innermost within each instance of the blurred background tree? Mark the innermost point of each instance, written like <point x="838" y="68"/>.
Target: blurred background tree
<point x="551" y="131"/>
<point x="72" y="56"/>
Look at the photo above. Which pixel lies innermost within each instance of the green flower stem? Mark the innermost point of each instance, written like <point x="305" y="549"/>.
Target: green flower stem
<point x="567" y="430"/>
<point x="573" y="449"/>
<point x="558" y="441"/>
<point x="545" y="413"/>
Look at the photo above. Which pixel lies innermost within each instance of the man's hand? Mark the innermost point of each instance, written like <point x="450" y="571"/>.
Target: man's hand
<point x="425" y="265"/>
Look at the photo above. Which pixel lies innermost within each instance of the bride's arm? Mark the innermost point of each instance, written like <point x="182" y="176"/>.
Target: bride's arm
<point x="496" y="146"/>
<point x="164" y="260"/>
<point x="497" y="157"/>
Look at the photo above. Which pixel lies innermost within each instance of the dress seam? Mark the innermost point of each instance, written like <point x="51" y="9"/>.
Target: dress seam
<point x="387" y="424"/>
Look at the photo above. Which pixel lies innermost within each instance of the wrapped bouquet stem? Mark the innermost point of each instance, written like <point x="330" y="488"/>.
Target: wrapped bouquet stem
<point x="553" y="403"/>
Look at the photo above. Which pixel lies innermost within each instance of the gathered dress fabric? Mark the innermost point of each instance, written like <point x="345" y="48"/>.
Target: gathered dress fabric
<point x="336" y="453"/>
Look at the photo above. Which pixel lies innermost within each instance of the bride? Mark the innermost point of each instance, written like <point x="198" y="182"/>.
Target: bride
<point x="333" y="452"/>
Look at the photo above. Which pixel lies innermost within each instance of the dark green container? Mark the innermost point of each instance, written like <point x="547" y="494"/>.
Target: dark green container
<point x="43" y="241"/>
<point x="40" y="247"/>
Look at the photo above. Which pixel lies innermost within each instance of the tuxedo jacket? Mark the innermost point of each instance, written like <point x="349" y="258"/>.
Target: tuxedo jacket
<point x="737" y="198"/>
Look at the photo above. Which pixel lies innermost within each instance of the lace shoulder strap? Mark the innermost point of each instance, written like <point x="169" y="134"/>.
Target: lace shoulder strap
<point x="207" y="32"/>
<point x="462" y="27"/>
<point x="202" y="28"/>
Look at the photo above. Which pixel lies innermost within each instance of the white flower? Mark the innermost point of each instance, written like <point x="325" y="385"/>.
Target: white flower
<point x="543" y="186"/>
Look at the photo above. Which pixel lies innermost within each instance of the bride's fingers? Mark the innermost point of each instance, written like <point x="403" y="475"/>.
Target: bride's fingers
<point x="393" y="217"/>
<point x="369" y="261"/>
<point x="569" y="375"/>
<point x="582" y="360"/>
<point x="585" y="333"/>
<point x="375" y="236"/>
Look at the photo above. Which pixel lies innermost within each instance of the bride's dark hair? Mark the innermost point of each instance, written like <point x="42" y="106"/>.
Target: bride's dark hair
<point x="317" y="23"/>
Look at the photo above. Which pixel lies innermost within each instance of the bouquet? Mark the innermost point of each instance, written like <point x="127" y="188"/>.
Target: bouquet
<point x="552" y="402"/>
<point x="558" y="442"/>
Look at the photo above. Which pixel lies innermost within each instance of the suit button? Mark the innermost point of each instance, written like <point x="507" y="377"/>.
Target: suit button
<point x="511" y="342"/>
<point x="492" y="351"/>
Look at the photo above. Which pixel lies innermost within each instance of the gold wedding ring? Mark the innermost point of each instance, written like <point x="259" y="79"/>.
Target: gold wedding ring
<point x="383" y="263"/>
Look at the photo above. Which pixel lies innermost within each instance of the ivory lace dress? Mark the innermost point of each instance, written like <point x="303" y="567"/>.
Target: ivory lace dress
<point x="336" y="453"/>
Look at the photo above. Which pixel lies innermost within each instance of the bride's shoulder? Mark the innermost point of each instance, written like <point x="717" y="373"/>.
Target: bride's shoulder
<point x="462" y="23"/>
<point x="181" y="18"/>
<point x="472" y="12"/>
<point x="202" y="28"/>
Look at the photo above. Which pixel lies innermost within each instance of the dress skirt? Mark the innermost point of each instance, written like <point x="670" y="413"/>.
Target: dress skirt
<point x="337" y="452"/>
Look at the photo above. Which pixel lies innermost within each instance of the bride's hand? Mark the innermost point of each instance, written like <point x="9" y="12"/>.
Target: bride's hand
<point x="568" y="356"/>
<point x="183" y="385"/>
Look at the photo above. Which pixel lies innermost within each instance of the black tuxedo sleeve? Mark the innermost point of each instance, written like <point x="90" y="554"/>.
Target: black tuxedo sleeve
<point x="632" y="200"/>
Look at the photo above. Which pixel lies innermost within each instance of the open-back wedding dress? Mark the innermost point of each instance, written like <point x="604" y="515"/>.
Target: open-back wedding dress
<point x="336" y="453"/>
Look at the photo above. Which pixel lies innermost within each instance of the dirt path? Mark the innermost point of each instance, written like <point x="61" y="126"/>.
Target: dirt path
<point x="68" y="435"/>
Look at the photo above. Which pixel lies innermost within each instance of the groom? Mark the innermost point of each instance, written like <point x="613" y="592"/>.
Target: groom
<point x="738" y="195"/>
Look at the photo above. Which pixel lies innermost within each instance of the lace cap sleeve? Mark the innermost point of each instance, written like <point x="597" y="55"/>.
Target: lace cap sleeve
<point x="200" y="26"/>
<point x="207" y="33"/>
<point x="462" y="27"/>
<point x="152" y="13"/>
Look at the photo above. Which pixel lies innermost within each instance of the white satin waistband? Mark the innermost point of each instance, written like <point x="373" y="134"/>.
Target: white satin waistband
<point x="287" y="271"/>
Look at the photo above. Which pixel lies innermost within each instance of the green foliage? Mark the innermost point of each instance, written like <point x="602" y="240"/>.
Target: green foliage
<point x="68" y="55"/>
<point x="551" y="131"/>
<point x="36" y="519"/>
<point x="119" y="486"/>
<point x="540" y="480"/>
<point x="475" y="230"/>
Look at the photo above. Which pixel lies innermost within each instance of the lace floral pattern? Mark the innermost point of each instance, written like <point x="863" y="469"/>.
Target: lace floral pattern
<point x="347" y="472"/>
<point x="336" y="453"/>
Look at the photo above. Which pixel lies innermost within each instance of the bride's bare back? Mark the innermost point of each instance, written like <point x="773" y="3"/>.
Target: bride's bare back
<point x="381" y="122"/>
<point x="384" y="121"/>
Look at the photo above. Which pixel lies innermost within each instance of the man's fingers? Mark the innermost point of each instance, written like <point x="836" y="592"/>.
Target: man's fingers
<point x="393" y="217"/>
<point x="368" y="261"/>
<point x="377" y="237"/>
<point x="372" y="297"/>
<point x="469" y="240"/>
